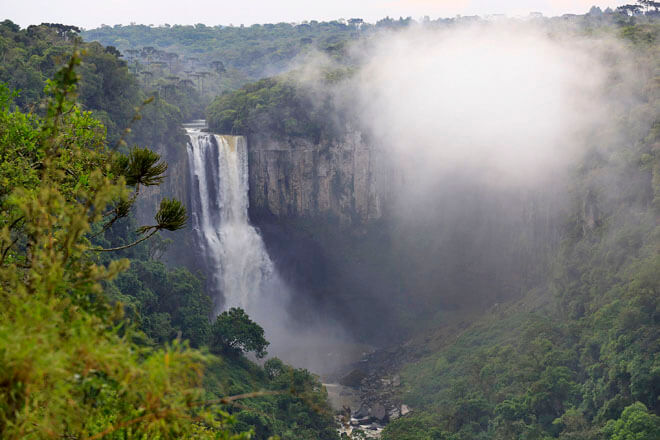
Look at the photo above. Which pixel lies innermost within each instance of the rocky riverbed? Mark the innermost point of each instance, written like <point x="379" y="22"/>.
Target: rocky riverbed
<point x="365" y="395"/>
<point x="358" y="418"/>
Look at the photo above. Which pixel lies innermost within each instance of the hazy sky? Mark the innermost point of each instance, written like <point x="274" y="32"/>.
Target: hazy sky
<point x="92" y="13"/>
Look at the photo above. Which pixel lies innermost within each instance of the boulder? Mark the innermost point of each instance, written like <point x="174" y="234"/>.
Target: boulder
<point x="378" y="412"/>
<point x="353" y="379"/>
<point x="362" y="412"/>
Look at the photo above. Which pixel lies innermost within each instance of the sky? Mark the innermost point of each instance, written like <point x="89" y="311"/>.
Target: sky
<point x="92" y="13"/>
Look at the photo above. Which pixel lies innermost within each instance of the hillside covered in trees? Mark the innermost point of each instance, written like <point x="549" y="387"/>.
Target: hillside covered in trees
<point x="215" y="59"/>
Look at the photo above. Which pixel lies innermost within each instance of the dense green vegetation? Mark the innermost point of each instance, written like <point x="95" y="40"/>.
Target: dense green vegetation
<point x="68" y="369"/>
<point x="207" y="61"/>
<point x="235" y="52"/>
<point x="107" y="87"/>
<point x="215" y="59"/>
<point x="279" y="414"/>
<point x="277" y="108"/>
<point x="94" y="348"/>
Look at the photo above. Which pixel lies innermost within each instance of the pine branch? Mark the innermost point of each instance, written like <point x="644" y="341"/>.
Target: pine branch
<point x="119" y="248"/>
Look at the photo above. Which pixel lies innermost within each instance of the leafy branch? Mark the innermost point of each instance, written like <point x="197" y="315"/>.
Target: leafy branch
<point x="141" y="167"/>
<point x="171" y="216"/>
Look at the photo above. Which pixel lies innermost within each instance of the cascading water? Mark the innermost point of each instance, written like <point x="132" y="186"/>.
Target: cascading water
<point x="238" y="265"/>
<point x="239" y="271"/>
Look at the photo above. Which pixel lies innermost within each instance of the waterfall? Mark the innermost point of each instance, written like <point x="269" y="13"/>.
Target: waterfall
<point x="236" y="260"/>
<point x="239" y="271"/>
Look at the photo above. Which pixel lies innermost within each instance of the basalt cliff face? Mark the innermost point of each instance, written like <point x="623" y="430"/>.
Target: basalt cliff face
<point x="319" y="207"/>
<point x="335" y="179"/>
<point x="338" y="180"/>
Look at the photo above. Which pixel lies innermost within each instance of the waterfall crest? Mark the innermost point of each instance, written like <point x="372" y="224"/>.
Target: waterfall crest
<point x="237" y="262"/>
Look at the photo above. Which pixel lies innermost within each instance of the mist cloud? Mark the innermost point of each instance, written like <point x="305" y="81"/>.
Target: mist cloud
<point x="478" y="129"/>
<point x="506" y="103"/>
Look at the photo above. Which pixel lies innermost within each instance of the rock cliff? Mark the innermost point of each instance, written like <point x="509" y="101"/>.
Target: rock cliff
<point x="332" y="179"/>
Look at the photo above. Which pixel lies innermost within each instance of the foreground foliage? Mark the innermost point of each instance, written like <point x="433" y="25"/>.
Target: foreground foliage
<point x="68" y="366"/>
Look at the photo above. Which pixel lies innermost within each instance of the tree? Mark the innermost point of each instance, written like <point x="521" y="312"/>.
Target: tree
<point x="63" y="31"/>
<point x="648" y="4"/>
<point x="112" y="50"/>
<point x="636" y="423"/>
<point x="629" y="9"/>
<point x="13" y="27"/>
<point x="170" y="58"/>
<point x="148" y="52"/>
<point x="595" y="11"/>
<point x="233" y="331"/>
<point x="274" y="367"/>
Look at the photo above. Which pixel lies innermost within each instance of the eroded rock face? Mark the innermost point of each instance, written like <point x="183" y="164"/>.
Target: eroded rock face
<point x="333" y="179"/>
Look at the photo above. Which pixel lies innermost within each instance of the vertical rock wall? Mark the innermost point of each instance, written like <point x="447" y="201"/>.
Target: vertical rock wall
<point x="332" y="179"/>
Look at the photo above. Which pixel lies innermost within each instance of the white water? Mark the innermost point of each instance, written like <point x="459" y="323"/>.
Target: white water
<point x="237" y="260"/>
<point x="233" y="256"/>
